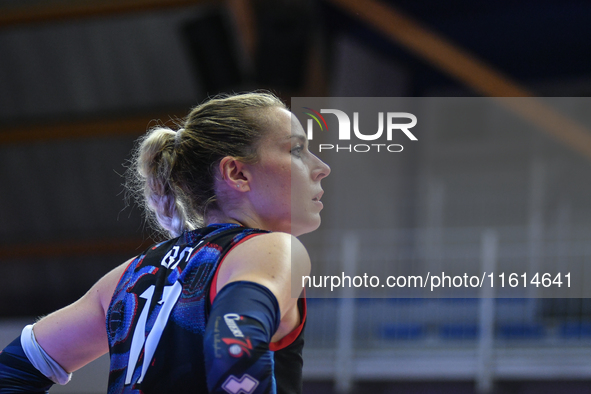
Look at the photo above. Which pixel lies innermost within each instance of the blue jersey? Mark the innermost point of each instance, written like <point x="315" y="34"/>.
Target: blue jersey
<point x="159" y="310"/>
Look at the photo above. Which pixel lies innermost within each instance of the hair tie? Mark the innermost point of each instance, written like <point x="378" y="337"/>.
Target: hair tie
<point x="177" y="137"/>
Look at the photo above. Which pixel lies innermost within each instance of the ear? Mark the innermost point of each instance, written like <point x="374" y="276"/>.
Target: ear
<point x="234" y="173"/>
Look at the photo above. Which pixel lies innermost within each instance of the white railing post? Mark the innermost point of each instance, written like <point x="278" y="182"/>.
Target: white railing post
<point x="346" y="317"/>
<point x="535" y="227"/>
<point x="485" y="371"/>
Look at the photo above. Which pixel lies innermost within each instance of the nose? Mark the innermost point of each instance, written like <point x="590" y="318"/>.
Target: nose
<point x="321" y="169"/>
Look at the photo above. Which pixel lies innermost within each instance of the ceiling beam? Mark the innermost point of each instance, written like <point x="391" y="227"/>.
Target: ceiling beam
<point x="470" y="70"/>
<point x="130" y="247"/>
<point x="56" y="130"/>
<point x="54" y="11"/>
<point x="434" y="48"/>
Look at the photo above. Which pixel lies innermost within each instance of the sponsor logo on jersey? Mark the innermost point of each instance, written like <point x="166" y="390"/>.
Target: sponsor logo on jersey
<point x="230" y="319"/>
<point x="236" y="347"/>
<point x="245" y="385"/>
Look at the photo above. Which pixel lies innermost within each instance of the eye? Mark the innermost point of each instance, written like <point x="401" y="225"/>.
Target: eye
<point x="297" y="150"/>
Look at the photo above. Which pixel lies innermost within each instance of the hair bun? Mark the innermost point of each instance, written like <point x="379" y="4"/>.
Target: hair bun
<point x="172" y="172"/>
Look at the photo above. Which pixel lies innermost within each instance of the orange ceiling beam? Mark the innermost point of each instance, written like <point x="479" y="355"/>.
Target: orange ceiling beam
<point x="55" y="11"/>
<point x="470" y="70"/>
<point x="129" y="247"/>
<point x="132" y="125"/>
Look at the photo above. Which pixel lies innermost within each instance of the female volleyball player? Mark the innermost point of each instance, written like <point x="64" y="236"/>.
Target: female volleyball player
<point x="209" y="310"/>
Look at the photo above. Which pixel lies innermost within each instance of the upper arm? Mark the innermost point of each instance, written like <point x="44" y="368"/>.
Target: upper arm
<point x="275" y="260"/>
<point x="75" y="335"/>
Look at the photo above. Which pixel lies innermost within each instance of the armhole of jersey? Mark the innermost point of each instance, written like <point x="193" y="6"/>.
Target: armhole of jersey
<point x="295" y="333"/>
<point x="286" y="340"/>
<point x="108" y="311"/>
<point x="213" y="286"/>
<point x="134" y="260"/>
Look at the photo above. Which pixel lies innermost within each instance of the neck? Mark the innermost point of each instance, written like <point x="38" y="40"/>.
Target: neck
<point x="240" y="217"/>
<point x="221" y="217"/>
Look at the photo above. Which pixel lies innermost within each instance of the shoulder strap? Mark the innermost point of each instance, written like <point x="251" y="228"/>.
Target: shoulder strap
<point x="244" y="236"/>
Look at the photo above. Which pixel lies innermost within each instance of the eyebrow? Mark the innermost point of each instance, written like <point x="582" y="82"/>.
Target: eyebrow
<point x="298" y="136"/>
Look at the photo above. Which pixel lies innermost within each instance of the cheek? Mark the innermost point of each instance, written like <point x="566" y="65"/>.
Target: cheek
<point x="277" y="183"/>
<point x="300" y="188"/>
<point x="281" y="179"/>
<point x="299" y="177"/>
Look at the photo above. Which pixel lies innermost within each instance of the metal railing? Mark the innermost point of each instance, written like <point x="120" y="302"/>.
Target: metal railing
<point x="476" y="337"/>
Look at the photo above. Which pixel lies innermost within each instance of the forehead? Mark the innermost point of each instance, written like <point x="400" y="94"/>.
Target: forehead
<point x="283" y="126"/>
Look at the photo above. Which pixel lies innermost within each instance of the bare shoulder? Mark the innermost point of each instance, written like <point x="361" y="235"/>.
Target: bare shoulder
<point x="271" y="260"/>
<point x="272" y="253"/>
<point x="105" y="287"/>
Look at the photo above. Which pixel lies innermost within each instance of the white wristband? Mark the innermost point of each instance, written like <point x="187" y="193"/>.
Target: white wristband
<point x="41" y="360"/>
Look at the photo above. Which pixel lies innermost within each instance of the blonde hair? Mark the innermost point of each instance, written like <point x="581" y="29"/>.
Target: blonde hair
<point x="172" y="172"/>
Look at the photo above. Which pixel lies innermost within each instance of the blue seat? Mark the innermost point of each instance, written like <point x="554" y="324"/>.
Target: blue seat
<point x="575" y="330"/>
<point x="521" y="331"/>
<point x="402" y="331"/>
<point x="459" y="331"/>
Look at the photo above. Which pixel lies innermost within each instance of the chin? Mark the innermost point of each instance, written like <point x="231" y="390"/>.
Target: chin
<point x="305" y="228"/>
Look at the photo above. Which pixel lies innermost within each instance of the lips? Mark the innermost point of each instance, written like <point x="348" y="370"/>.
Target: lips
<point x="318" y="196"/>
